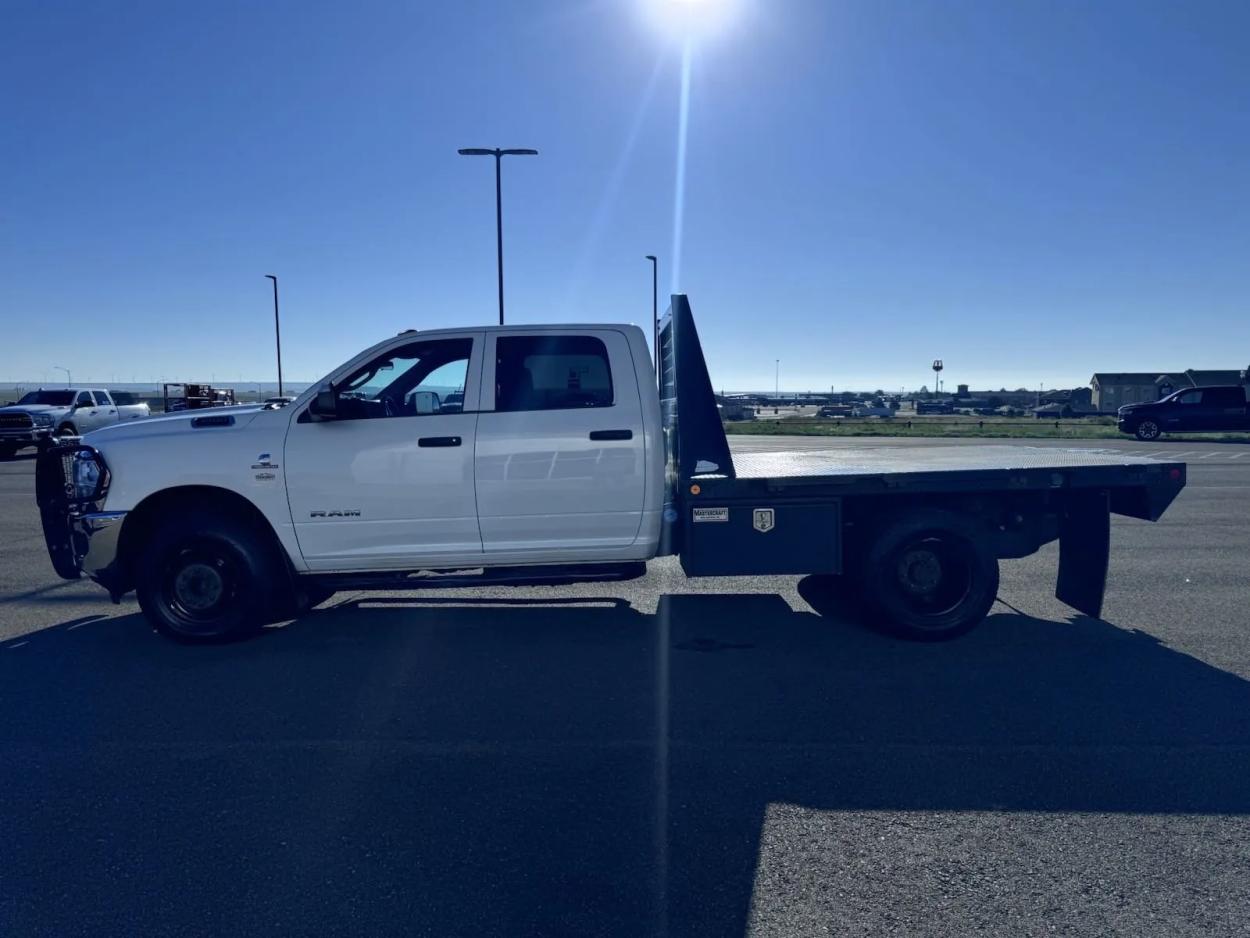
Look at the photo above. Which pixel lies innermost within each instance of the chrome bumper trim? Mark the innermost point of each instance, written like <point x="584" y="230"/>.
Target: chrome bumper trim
<point x="99" y="532"/>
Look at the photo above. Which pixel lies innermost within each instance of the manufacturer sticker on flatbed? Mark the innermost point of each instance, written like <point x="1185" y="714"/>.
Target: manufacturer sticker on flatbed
<point x="710" y="514"/>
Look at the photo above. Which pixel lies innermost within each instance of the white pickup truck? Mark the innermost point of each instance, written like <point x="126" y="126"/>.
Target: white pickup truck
<point x="40" y="416"/>
<point x="544" y="454"/>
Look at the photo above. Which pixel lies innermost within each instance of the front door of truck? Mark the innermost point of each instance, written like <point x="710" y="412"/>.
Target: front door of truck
<point x="388" y="483"/>
<point x="560" y="462"/>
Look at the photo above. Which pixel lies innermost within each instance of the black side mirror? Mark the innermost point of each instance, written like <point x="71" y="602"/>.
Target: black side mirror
<point x="326" y="404"/>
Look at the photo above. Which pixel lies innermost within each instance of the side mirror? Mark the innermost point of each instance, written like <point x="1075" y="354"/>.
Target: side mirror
<point x="426" y="402"/>
<point x="326" y="404"/>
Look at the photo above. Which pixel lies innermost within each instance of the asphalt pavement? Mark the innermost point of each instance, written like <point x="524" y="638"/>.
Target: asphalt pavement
<point x="658" y="757"/>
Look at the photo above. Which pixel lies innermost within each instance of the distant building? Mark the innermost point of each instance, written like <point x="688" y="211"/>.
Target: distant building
<point x="1112" y="390"/>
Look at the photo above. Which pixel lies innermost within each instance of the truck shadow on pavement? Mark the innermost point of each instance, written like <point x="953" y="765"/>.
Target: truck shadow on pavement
<point x="453" y="767"/>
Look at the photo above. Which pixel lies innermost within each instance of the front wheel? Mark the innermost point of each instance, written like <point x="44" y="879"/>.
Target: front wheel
<point x="205" y="578"/>
<point x="1147" y="430"/>
<point x="66" y="429"/>
<point x="929" y="576"/>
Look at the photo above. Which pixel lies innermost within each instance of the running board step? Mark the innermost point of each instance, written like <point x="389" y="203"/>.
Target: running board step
<point x="544" y="575"/>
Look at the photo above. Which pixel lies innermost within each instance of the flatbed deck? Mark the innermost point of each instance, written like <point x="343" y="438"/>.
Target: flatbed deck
<point x="927" y="459"/>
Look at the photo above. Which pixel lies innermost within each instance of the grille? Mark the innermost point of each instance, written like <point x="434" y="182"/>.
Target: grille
<point x="16" y="422"/>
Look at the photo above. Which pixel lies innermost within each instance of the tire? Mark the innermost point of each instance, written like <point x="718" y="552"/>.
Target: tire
<point x="1147" y="431"/>
<point x="206" y="578"/>
<point x="7" y="451"/>
<point x="66" y="429"/>
<point x="928" y="576"/>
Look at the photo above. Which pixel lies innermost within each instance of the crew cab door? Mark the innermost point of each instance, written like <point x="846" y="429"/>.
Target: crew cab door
<point x="560" y="466"/>
<point x="388" y="483"/>
<point x="1184" y="411"/>
<point x="85" y="416"/>
<point x="106" y="409"/>
<point x="1225" y="409"/>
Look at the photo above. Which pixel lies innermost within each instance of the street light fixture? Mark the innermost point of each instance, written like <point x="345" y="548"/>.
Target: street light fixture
<point x="655" y="312"/>
<point x="69" y="379"/>
<point x="277" y="332"/>
<point x="498" y="154"/>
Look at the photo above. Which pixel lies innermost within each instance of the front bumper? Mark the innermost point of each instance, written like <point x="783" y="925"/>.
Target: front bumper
<point x="80" y="537"/>
<point x="24" y="437"/>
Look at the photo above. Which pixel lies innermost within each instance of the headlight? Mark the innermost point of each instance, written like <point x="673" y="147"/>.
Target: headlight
<point x="41" y="420"/>
<point x="88" y="476"/>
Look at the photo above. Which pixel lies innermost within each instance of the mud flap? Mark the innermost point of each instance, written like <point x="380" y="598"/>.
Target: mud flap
<point x="1084" y="551"/>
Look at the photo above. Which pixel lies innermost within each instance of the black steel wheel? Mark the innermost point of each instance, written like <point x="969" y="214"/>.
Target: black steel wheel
<point x="205" y="578"/>
<point x="1147" y="430"/>
<point x="929" y="576"/>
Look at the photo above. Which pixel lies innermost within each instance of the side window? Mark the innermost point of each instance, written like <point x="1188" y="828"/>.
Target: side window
<point x="1223" y="397"/>
<point x="555" y="372"/>
<point x="102" y="399"/>
<point x="1188" y="397"/>
<point x="84" y="399"/>
<point x="415" y="380"/>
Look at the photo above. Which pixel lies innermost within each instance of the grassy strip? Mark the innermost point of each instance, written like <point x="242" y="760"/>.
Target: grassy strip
<point x="972" y="428"/>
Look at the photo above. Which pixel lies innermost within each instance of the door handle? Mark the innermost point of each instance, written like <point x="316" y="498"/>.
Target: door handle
<point x="438" y="441"/>
<point x="611" y="435"/>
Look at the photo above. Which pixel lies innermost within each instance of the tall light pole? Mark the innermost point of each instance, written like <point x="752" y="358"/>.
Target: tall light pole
<point x="277" y="331"/>
<point x="69" y="379"/>
<point x="498" y="154"/>
<point x="655" y="312"/>
<point x="777" y="380"/>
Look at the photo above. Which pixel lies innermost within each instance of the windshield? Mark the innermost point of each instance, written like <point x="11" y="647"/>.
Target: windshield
<point x="49" y="398"/>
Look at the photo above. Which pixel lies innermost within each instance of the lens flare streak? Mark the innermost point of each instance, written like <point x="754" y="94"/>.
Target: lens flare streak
<point x="679" y="196"/>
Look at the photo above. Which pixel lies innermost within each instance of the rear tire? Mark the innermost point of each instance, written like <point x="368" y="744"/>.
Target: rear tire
<point x="206" y="578"/>
<point x="928" y="576"/>
<point x="1147" y="431"/>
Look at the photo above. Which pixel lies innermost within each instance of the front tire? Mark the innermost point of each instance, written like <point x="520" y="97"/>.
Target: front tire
<point x="205" y="579"/>
<point x="66" y="429"/>
<point x="929" y="576"/>
<point x="7" y="450"/>
<point x="1147" y="431"/>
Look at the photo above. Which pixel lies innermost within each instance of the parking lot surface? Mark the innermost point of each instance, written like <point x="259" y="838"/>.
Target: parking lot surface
<point x="663" y="756"/>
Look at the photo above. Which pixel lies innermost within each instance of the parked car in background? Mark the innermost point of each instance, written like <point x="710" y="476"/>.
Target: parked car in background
<point x="871" y="410"/>
<point x="41" y="415"/>
<point x="733" y="409"/>
<point x="1193" y="410"/>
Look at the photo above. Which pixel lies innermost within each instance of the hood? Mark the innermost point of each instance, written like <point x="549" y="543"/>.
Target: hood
<point x="32" y="409"/>
<point x="171" y="424"/>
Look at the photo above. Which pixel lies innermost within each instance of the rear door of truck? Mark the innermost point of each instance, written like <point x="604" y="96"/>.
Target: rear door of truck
<point x="560" y="444"/>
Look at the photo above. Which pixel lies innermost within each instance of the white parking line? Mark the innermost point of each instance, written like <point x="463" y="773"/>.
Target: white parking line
<point x="1209" y="455"/>
<point x="18" y="644"/>
<point x="1188" y="452"/>
<point x="1236" y="455"/>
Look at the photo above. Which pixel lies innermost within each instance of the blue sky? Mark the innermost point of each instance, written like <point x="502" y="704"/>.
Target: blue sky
<point x="1029" y="190"/>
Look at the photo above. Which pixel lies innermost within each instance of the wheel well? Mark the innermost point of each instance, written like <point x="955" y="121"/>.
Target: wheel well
<point x="144" y="517"/>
